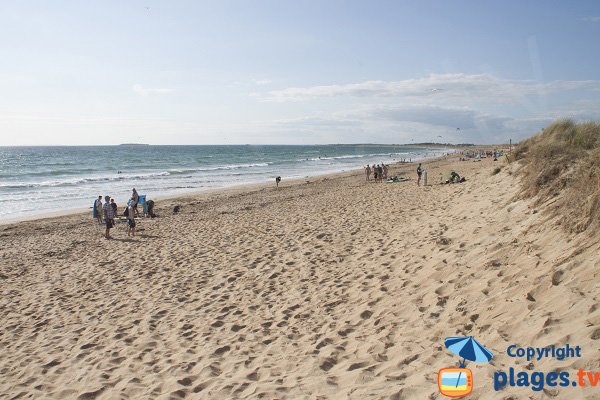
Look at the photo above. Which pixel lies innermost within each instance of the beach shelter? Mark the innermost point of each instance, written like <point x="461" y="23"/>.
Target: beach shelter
<point x="142" y="201"/>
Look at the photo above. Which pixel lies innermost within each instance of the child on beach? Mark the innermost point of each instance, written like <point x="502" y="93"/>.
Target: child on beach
<point x="114" y="206"/>
<point x="130" y="219"/>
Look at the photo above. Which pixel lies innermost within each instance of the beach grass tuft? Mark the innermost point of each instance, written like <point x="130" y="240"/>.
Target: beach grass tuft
<point x="563" y="163"/>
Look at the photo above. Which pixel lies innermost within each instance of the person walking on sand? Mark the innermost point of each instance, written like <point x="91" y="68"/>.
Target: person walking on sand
<point x="419" y="173"/>
<point x="368" y="172"/>
<point x="109" y="215"/>
<point x="98" y="209"/>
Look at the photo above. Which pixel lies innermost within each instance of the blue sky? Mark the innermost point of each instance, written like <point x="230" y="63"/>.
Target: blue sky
<point x="297" y="72"/>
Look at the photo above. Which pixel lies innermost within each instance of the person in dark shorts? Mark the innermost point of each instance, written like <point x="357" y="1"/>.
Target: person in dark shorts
<point x="114" y="206"/>
<point x="130" y="219"/>
<point x="419" y="173"/>
<point x="109" y="216"/>
<point x="277" y="180"/>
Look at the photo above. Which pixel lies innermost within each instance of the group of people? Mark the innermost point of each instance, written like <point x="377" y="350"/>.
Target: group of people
<point x="107" y="212"/>
<point x="379" y="172"/>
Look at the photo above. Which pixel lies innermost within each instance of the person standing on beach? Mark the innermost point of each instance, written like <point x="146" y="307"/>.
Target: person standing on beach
<point x="98" y="209"/>
<point x="130" y="219"/>
<point x="108" y="216"/>
<point x="114" y="206"/>
<point x="385" y="170"/>
<point x="379" y="173"/>
<point x="419" y="173"/>
<point x="135" y="197"/>
<point x="368" y="172"/>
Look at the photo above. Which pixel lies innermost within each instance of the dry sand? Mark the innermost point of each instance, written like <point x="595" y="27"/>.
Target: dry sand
<point x="334" y="289"/>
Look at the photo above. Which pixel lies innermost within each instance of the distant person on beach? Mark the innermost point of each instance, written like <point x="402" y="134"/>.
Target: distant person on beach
<point x="374" y="172"/>
<point x="135" y="197"/>
<point x="114" y="206"/>
<point x="385" y="170"/>
<point x="98" y="209"/>
<point x="277" y="180"/>
<point x="419" y="173"/>
<point x="130" y="219"/>
<point x="379" y="173"/>
<point x="109" y="215"/>
<point x="368" y="172"/>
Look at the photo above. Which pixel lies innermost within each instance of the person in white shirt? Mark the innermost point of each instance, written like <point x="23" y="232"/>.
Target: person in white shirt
<point x="130" y="218"/>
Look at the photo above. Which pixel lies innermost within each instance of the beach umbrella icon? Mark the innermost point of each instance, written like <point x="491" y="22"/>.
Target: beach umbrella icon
<point x="468" y="348"/>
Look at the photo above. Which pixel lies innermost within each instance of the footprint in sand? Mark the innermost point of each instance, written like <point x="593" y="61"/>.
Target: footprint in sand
<point x="221" y="350"/>
<point x="328" y="363"/>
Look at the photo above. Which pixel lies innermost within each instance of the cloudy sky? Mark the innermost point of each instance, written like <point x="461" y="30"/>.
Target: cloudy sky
<point x="297" y="72"/>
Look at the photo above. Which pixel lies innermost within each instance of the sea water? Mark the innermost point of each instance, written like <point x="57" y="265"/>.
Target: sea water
<point x="41" y="180"/>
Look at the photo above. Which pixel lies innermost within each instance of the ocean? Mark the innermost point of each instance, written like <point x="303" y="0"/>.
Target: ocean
<point x="42" y="180"/>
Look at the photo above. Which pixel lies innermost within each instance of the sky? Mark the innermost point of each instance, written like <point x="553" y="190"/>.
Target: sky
<point x="294" y="72"/>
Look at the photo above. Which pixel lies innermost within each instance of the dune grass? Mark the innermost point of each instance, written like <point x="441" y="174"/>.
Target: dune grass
<point x="563" y="162"/>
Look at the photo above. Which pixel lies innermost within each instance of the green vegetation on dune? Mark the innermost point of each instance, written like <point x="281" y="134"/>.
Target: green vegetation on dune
<point x="563" y="163"/>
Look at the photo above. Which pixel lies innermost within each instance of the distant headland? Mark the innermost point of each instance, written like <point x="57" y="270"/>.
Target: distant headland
<point x="134" y="144"/>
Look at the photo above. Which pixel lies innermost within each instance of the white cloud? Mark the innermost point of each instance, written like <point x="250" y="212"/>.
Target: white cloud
<point x="487" y="109"/>
<point x="142" y="91"/>
<point x="421" y="122"/>
<point x="262" y="81"/>
<point x="436" y="87"/>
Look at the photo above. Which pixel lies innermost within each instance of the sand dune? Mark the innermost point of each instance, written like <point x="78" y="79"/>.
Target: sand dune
<point x="338" y="288"/>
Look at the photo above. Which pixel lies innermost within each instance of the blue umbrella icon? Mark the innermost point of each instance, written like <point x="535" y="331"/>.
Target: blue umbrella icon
<point x="469" y="349"/>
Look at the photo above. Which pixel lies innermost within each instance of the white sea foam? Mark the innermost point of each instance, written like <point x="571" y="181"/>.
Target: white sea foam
<point x="33" y="180"/>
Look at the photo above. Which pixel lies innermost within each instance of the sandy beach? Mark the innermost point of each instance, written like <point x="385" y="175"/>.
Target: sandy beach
<point x="332" y="289"/>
